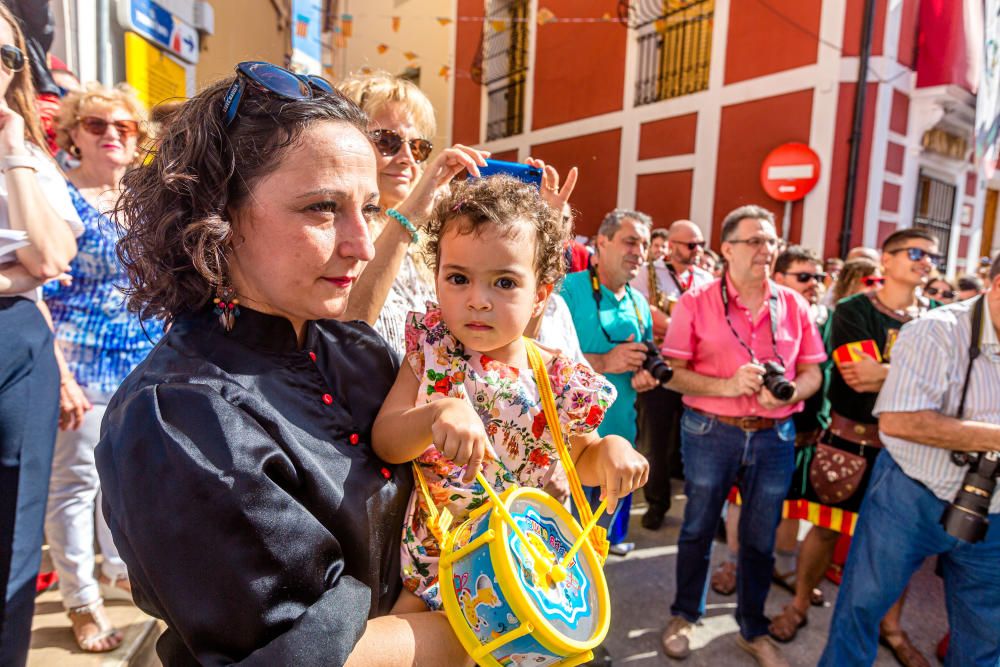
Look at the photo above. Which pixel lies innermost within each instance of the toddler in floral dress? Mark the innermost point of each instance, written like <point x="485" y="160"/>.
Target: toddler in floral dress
<point x="466" y="398"/>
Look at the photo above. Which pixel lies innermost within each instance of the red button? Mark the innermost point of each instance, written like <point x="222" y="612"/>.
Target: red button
<point x="354" y="438"/>
<point x="328" y="399"/>
<point x="312" y="355"/>
<point x="386" y="473"/>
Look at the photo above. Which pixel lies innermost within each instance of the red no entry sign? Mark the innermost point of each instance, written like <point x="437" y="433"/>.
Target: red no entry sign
<point x="789" y="172"/>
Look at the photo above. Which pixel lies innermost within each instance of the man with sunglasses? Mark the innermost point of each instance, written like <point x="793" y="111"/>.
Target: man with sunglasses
<point x="836" y="478"/>
<point x="662" y="281"/>
<point x="734" y="429"/>
<point x="612" y="320"/>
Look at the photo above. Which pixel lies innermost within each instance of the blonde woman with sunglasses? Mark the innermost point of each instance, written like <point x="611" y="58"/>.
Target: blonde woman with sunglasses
<point x="38" y="226"/>
<point x="401" y="120"/>
<point x="100" y="343"/>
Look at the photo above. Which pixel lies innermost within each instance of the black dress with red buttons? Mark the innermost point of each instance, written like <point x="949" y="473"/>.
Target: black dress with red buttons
<point x="243" y="494"/>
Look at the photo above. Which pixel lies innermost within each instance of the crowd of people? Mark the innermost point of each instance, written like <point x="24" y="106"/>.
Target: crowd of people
<point x="232" y="337"/>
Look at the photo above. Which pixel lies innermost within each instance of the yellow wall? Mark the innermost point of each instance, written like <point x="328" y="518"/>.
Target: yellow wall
<point x="419" y="33"/>
<point x="244" y="30"/>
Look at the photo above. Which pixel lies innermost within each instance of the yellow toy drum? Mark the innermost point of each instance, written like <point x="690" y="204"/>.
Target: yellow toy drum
<point x="521" y="583"/>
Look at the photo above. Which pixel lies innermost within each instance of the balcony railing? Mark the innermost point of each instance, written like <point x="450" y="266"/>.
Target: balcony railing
<point x="505" y="66"/>
<point x="675" y="51"/>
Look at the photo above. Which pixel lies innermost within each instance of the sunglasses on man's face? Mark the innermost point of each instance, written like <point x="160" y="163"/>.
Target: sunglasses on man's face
<point x="389" y="143"/>
<point x="944" y="294"/>
<point x="98" y="126"/>
<point x="690" y="245"/>
<point x="12" y="57"/>
<point x="805" y="276"/>
<point x="917" y="254"/>
<point x="872" y="281"/>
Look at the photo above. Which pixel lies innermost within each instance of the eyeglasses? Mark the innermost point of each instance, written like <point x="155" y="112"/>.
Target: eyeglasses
<point x="872" y="281"/>
<point x="389" y="143"/>
<point x="756" y="243"/>
<point x="917" y="254"/>
<point x="272" y="79"/>
<point x="98" y="126"/>
<point x="805" y="276"/>
<point x="12" y="57"/>
<point x="945" y="294"/>
<point x="691" y="245"/>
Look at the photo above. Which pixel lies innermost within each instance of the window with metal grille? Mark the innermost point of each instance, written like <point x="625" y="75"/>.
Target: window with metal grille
<point x="934" y="210"/>
<point x="675" y="49"/>
<point x="505" y="66"/>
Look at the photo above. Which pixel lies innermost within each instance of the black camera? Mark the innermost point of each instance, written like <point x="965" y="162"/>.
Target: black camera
<point x="776" y="382"/>
<point x="967" y="517"/>
<point x="657" y="367"/>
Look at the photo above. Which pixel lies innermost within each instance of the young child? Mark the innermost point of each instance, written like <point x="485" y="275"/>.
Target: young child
<point x="466" y="396"/>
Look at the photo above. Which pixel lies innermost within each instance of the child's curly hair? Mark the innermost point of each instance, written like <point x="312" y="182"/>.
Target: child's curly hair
<point x="508" y="205"/>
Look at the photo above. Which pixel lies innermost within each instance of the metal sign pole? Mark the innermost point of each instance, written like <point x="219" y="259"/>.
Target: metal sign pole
<point x="786" y="222"/>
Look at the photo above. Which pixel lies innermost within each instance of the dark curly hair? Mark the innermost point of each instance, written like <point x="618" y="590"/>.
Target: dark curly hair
<point x="174" y="212"/>
<point x="507" y="205"/>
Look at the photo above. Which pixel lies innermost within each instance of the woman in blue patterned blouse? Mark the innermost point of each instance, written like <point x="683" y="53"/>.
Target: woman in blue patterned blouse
<point x="101" y="343"/>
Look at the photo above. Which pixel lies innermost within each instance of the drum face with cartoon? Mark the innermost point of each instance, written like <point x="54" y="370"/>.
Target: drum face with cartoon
<point x="497" y="591"/>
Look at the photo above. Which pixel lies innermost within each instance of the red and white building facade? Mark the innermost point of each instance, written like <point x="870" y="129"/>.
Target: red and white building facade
<point x="763" y="73"/>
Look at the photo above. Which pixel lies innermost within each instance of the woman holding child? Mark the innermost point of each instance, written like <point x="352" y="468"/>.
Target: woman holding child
<point x="240" y="478"/>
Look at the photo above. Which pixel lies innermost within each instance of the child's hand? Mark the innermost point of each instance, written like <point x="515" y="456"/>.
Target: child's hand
<point x="459" y="435"/>
<point x="621" y="469"/>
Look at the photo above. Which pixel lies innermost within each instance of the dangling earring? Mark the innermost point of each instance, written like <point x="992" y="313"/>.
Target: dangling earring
<point x="227" y="306"/>
<point x="74" y="150"/>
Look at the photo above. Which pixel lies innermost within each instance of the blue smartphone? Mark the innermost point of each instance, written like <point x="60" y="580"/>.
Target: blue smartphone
<point x="518" y="170"/>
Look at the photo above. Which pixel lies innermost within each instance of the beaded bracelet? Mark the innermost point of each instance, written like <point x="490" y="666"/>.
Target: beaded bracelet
<point x="407" y="225"/>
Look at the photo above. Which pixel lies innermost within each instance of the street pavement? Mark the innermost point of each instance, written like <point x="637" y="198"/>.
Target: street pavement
<point x="642" y="588"/>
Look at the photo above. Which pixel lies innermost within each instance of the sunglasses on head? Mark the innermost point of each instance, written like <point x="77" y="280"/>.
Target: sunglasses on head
<point x="872" y="281"/>
<point x="805" y="276"/>
<point x="98" y="126"/>
<point x="270" y="78"/>
<point x="945" y="294"/>
<point x="389" y="143"/>
<point x="917" y="254"/>
<point x="12" y="57"/>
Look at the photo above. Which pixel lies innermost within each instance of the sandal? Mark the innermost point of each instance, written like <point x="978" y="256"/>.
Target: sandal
<point x="118" y="588"/>
<point x="787" y="581"/>
<point x="724" y="578"/>
<point x="903" y="649"/>
<point x="92" y="628"/>
<point x="786" y="625"/>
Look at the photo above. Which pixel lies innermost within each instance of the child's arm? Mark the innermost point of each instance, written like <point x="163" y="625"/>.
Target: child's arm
<point x="610" y="463"/>
<point x="403" y="432"/>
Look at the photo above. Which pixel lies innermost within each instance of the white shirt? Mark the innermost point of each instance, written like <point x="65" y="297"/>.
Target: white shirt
<point x="53" y="185"/>
<point x="557" y="330"/>
<point x="929" y="360"/>
<point x="665" y="279"/>
<point x="409" y="293"/>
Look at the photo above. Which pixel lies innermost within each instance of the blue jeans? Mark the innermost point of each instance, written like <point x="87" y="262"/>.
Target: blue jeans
<point x="897" y="530"/>
<point x="761" y="464"/>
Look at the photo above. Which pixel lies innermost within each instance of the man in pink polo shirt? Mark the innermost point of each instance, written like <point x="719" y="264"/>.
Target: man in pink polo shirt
<point x="745" y="354"/>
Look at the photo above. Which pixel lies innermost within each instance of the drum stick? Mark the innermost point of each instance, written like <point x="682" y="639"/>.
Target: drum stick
<point x="502" y="509"/>
<point x="583" y="536"/>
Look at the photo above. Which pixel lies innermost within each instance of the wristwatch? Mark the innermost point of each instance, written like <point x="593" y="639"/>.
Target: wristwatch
<point x="18" y="162"/>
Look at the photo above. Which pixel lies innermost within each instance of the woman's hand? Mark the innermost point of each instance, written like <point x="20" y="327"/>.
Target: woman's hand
<point x="458" y="433"/>
<point x="73" y="404"/>
<point x="620" y="468"/>
<point x="551" y="193"/>
<point x="11" y="131"/>
<point x="435" y="179"/>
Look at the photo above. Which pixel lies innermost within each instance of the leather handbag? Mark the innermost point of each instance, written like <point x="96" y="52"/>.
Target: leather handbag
<point x="835" y="474"/>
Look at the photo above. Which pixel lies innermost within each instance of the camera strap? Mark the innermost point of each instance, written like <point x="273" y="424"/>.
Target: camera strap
<point x="595" y="286"/>
<point x="772" y="305"/>
<point x="975" y="337"/>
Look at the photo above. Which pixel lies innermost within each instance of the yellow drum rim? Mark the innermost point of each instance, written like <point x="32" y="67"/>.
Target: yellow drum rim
<point x="503" y="568"/>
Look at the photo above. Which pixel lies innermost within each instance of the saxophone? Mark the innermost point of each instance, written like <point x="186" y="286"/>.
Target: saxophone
<point x="656" y="296"/>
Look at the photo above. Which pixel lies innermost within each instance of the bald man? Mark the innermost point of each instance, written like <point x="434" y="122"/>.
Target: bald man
<point x="659" y="411"/>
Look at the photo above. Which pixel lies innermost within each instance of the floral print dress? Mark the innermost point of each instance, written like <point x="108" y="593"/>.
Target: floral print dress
<point x="509" y="404"/>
